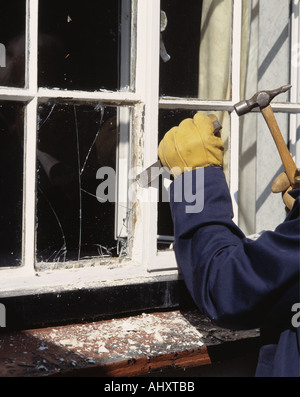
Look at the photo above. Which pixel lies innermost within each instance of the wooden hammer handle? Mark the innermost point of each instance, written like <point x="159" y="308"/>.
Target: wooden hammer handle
<point x="287" y="160"/>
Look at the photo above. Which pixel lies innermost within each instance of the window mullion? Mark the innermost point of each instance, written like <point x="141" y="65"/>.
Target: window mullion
<point x="236" y="49"/>
<point x="32" y="45"/>
<point x="235" y="86"/>
<point x="294" y="74"/>
<point x="295" y="50"/>
<point x="147" y="86"/>
<point x="29" y="186"/>
<point x="30" y="137"/>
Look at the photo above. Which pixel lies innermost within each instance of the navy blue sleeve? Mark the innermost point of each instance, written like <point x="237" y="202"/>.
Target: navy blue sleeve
<point x="237" y="282"/>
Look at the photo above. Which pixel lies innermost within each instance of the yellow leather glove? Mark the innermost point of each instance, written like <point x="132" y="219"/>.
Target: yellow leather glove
<point x="282" y="185"/>
<point x="191" y="145"/>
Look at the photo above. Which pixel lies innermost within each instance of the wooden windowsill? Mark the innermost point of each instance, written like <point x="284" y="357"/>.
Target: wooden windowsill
<point x="132" y="346"/>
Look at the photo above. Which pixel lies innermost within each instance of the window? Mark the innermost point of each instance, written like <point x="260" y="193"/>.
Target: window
<point x="88" y="91"/>
<point x="232" y="65"/>
<point x="66" y="110"/>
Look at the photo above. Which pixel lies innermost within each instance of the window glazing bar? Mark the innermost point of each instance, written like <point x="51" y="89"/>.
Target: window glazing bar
<point x="295" y="75"/>
<point x="235" y="87"/>
<point x="31" y="72"/>
<point x="29" y="187"/>
<point x="16" y="94"/>
<point x="147" y="86"/>
<point x="30" y="140"/>
<point x="194" y="104"/>
<point x="118" y="98"/>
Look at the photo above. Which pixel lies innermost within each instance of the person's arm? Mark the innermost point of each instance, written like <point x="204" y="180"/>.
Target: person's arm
<point x="237" y="282"/>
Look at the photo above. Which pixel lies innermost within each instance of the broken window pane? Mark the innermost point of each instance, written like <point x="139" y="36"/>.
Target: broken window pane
<point x="85" y="46"/>
<point x="12" y="43"/>
<point x="76" y="182"/>
<point x="197" y="37"/>
<point x="11" y="181"/>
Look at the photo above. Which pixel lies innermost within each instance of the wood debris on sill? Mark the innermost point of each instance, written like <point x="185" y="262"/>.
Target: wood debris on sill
<point x="118" y="347"/>
<point x="51" y="350"/>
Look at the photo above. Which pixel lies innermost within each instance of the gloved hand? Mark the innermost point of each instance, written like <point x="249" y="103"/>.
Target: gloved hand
<point x="191" y="145"/>
<point x="282" y="185"/>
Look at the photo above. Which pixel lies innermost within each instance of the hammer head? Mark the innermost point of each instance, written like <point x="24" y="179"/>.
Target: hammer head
<point x="261" y="99"/>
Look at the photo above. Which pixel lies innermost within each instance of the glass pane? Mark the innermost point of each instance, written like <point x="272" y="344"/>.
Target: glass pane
<point x="260" y="163"/>
<point x="76" y="203"/>
<point x="266" y="64"/>
<point x="197" y="38"/>
<point x="167" y="120"/>
<point x="266" y="47"/>
<point x="296" y="148"/>
<point x="85" y="46"/>
<point x="12" y="43"/>
<point x="11" y="180"/>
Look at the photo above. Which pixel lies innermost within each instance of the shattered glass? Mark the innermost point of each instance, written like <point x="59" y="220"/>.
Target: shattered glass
<point x="73" y="221"/>
<point x="11" y="181"/>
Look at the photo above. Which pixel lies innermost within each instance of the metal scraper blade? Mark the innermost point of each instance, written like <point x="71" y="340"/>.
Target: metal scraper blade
<point x="145" y="178"/>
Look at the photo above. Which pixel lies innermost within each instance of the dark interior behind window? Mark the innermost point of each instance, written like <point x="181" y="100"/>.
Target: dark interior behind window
<point x="11" y="182"/>
<point x="179" y="77"/>
<point x="12" y="36"/>
<point x="79" y="44"/>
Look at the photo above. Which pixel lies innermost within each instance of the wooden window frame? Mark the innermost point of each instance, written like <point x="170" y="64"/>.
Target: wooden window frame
<point x="146" y="262"/>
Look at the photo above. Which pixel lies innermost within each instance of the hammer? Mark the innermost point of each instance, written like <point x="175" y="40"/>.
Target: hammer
<point x="262" y="100"/>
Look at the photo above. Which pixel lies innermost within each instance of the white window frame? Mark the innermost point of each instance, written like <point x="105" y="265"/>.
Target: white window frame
<point x="13" y="278"/>
<point x="146" y="261"/>
<point x="165" y="260"/>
